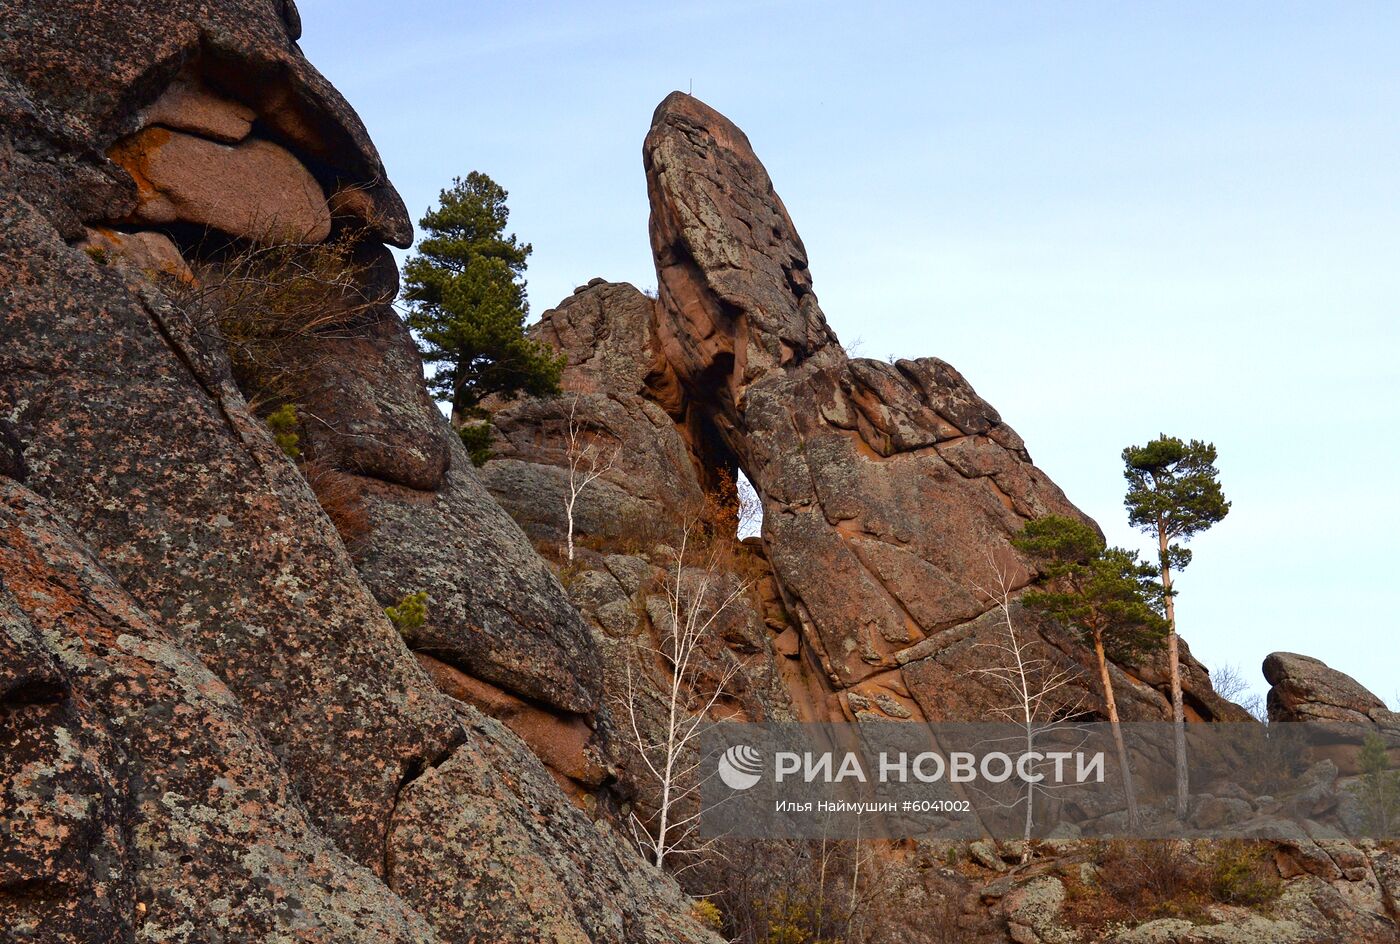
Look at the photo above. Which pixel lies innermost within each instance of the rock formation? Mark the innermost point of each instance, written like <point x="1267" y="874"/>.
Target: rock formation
<point x="889" y="491"/>
<point x="209" y="728"/>
<point x="291" y="770"/>
<point x="136" y="794"/>
<point x="1307" y="689"/>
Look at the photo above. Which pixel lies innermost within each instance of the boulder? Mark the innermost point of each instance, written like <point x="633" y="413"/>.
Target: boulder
<point x="208" y="727"/>
<point x="984" y="853"/>
<point x="607" y="334"/>
<point x="496" y="611"/>
<point x="189" y="105"/>
<point x="1307" y="689"/>
<point x="80" y="75"/>
<point x="1216" y="812"/>
<point x="1032" y="912"/>
<point x="255" y="189"/>
<point x="152" y="254"/>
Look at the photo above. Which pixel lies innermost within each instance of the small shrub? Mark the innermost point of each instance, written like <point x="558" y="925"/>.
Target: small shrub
<point x="792" y="919"/>
<point x="707" y="913"/>
<point x="477" y="438"/>
<point x="1242" y="874"/>
<point x="569" y="572"/>
<point x="410" y="613"/>
<point x="817" y="892"/>
<point x="640" y="533"/>
<point x="283" y="423"/>
<point x="1156" y="876"/>
<point x="1269" y="755"/>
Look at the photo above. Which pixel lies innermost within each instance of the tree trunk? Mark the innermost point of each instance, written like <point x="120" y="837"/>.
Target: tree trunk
<point x="1174" y="667"/>
<point x="1128" y="792"/>
<point x="569" y="513"/>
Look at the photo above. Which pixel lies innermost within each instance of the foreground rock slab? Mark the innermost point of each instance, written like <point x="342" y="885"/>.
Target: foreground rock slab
<point x="134" y="798"/>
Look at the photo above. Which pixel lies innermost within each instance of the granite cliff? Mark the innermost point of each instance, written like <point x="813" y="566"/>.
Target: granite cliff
<point x="210" y="730"/>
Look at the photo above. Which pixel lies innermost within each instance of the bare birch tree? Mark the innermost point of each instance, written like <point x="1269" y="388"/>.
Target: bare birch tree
<point x="694" y="604"/>
<point x="587" y="463"/>
<point x="1031" y="683"/>
<point x="1230" y="683"/>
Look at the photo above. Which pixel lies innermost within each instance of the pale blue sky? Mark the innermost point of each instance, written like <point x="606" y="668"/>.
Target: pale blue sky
<point x="1115" y="219"/>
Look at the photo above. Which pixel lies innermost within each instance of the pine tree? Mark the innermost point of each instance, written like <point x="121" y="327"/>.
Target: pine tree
<point x="467" y="304"/>
<point x="1106" y="593"/>
<point x="1174" y="494"/>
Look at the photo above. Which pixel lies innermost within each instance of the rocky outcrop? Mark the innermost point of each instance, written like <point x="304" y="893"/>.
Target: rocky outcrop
<point x="250" y="750"/>
<point x="79" y="78"/>
<point x="209" y="729"/>
<point x="520" y="866"/>
<point x="496" y="611"/>
<point x="208" y="526"/>
<point x="607" y="335"/>
<point x="360" y="395"/>
<point x="1307" y="689"/>
<point x="890" y="490"/>
<point x="630" y="523"/>
<point x="135" y="799"/>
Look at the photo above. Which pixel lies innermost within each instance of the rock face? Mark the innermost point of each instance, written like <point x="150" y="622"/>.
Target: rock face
<point x="1306" y="689"/>
<point x="528" y="869"/>
<point x="135" y="797"/>
<point x="208" y="526"/>
<point x="889" y="491"/>
<point x="628" y="523"/>
<point x="607" y="334"/>
<point x="252" y="189"/>
<point x="211" y="729"/>
<point x="12" y="465"/>
<point x="497" y="611"/>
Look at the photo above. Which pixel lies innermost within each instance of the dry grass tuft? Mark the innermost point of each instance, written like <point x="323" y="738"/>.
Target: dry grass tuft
<point x="339" y="496"/>
<point x="271" y="306"/>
